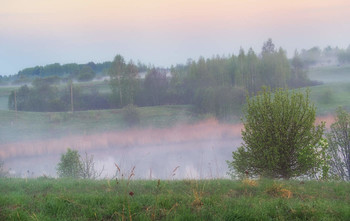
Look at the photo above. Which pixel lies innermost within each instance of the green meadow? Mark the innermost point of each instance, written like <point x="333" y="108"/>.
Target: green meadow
<point x="61" y="199"/>
<point x="37" y="125"/>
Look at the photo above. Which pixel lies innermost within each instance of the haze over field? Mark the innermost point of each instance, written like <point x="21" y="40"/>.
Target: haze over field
<point x="161" y="32"/>
<point x="42" y="120"/>
<point x="199" y="150"/>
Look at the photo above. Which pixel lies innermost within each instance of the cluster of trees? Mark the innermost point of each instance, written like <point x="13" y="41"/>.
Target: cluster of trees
<point x="217" y="85"/>
<point x="45" y="96"/>
<point x="4" y="80"/>
<point x="57" y="69"/>
<point x="329" y="55"/>
<point x="281" y="139"/>
<point x="66" y="72"/>
<point x="344" y="56"/>
<point x="72" y="165"/>
<point x="214" y="86"/>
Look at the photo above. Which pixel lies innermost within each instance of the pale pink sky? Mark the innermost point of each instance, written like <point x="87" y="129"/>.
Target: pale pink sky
<point x="161" y="32"/>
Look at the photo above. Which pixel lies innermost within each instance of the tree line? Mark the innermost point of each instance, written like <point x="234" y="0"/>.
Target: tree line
<point x="65" y="72"/>
<point x="45" y="96"/>
<point x="327" y="56"/>
<point x="215" y="85"/>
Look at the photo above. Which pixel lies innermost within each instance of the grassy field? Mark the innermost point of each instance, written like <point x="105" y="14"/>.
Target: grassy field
<point x="30" y="125"/>
<point x="328" y="97"/>
<point x="60" y="199"/>
<point x="330" y="74"/>
<point x="33" y="125"/>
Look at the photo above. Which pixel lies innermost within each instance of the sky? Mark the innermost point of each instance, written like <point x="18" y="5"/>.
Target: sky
<point x="162" y="32"/>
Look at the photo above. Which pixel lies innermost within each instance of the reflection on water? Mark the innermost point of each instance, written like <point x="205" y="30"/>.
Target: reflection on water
<point x="196" y="151"/>
<point x="191" y="160"/>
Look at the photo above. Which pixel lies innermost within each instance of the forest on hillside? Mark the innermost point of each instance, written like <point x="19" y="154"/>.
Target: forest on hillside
<point x="216" y="85"/>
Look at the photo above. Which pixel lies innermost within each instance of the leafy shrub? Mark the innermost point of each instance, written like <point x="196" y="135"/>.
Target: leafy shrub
<point x="70" y="165"/>
<point x="280" y="138"/>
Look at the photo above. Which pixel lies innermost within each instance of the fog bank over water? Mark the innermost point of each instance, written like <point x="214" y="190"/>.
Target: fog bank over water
<point x="196" y="151"/>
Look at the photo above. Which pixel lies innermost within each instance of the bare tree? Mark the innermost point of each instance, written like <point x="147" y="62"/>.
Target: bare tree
<point x="3" y="171"/>
<point x="87" y="169"/>
<point x="339" y="145"/>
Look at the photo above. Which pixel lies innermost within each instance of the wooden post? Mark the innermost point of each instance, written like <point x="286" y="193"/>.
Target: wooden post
<point x="71" y="96"/>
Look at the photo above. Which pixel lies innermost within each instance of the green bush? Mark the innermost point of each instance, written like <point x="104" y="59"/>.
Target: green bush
<point x="280" y="137"/>
<point x="70" y="165"/>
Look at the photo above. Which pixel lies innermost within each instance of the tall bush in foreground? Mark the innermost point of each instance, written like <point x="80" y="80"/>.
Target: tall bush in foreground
<point x="70" y="165"/>
<point x="339" y="145"/>
<point x="280" y="138"/>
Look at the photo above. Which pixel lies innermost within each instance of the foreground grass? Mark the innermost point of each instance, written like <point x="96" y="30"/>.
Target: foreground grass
<point x="51" y="199"/>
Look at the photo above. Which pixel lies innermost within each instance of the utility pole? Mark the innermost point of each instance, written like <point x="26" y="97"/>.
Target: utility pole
<point x="71" y="96"/>
<point x="15" y="102"/>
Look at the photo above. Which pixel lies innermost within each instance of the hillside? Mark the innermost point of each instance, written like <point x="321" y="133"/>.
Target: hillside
<point x="37" y="125"/>
<point x="330" y="74"/>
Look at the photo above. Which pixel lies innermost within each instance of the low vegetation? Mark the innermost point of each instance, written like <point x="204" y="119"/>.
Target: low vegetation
<point x="64" y="199"/>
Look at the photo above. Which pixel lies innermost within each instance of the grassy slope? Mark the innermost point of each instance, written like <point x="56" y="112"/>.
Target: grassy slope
<point x="336" y="88"/>
<point x="328" y="97"/>
<point x="50" y="199"/>
<point x="33" y="125"/>
<point x="330" y="74"/>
